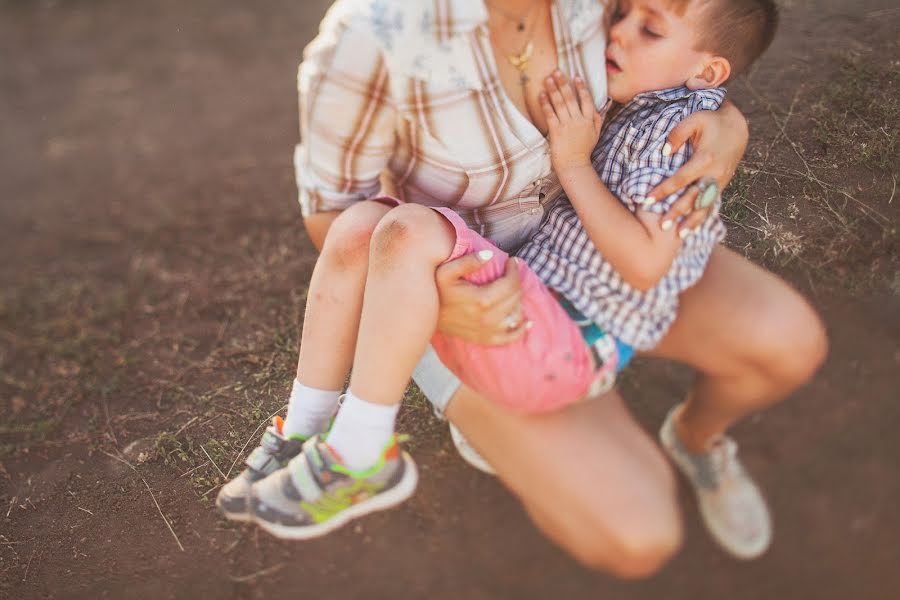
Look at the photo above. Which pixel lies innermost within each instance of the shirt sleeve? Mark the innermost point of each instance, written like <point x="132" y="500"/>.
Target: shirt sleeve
<point x="346" y="114"/>
<point x="647" y="166"/>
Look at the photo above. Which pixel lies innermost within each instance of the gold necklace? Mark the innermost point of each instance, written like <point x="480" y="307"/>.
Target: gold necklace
<point x="520" y="20"/>
<point x="520" y="61"/>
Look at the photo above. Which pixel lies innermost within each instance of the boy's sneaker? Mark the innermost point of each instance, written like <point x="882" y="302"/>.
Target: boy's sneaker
<point x="315" y="494"/>
<point x="468" y="453"/>
<point x="730" y="502"/>
<point x="274" y="452"/>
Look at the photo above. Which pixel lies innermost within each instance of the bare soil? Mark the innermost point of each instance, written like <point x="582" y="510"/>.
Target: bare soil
<point x="154" y="275"/>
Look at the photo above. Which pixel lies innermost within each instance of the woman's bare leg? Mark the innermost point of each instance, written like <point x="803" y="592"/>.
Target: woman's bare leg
<point x="751" y="337"/>
<point x="592" y="480"/>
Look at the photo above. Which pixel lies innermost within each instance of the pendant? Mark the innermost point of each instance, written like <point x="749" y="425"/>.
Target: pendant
<point x="520" y="61"/>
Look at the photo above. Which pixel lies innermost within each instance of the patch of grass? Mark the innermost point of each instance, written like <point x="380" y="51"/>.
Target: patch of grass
<point x="170" y="449"/>
<point x="858" y="115"/>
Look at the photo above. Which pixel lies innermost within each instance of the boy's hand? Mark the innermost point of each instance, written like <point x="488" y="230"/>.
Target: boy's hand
<point x="574" y="124"/>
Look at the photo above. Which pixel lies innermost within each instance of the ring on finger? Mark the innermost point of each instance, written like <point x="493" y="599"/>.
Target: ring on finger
<point x="707" y="192"/>
<point x="511" y="321"/>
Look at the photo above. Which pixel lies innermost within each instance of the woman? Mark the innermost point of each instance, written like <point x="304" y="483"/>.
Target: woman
<point x="443" y="94"/>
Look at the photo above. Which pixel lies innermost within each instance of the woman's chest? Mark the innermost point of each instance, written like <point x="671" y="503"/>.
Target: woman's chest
<point x="468" y="132"/>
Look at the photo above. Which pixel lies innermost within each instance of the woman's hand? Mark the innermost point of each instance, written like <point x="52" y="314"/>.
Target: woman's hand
<point x="719" y="139"/>
<point x="488" y="314"/>
<point x="573" y="123"/>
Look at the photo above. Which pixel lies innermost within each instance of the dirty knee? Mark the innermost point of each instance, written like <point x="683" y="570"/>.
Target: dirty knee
<point x="408" y="230"/>
<point x="348" y="239"/>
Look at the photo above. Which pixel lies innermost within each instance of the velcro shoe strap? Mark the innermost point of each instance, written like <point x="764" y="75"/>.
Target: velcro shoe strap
<point x="260" y="460"/>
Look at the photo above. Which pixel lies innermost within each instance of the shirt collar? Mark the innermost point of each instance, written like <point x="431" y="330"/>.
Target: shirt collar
<point x="677" y="93"/>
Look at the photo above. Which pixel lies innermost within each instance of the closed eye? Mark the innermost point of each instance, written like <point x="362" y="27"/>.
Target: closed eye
<point x="649" y="32"/>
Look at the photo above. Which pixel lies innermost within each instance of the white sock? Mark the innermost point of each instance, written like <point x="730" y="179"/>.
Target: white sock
<point x="309" y="410"/>
<point x="361" y="431"/>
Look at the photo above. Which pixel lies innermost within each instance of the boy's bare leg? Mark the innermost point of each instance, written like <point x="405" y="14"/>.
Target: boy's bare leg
<point x="592" y="480"/>
<point x="329" y="333"/>
<point x="400" y="307"/>
<point x="335" y="298"/>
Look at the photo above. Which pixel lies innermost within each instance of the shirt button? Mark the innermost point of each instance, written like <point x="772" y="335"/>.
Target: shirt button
<point x="535" y="211"/>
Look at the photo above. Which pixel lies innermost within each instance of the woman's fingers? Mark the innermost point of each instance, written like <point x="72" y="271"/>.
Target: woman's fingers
<point x="679" y="208"/>
<point x="681" y="133"/>
<point x="449" y="272"/>
<point x="691" y="171"/>
<point x="694" y="219"/>
<point x="501" y="289"/>
<point x="502" y="320"/>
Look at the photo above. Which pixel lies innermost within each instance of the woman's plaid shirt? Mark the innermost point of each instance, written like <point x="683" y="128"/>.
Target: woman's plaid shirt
<point x="629" y="160"/>
<point x="411" y="86"/>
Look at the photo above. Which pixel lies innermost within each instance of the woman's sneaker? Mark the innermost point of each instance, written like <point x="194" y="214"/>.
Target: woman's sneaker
<point x="315" y="494"/>
<point x="273" y="453"/>
<point x="730" y="502"/>
<point x="468" y="453"/>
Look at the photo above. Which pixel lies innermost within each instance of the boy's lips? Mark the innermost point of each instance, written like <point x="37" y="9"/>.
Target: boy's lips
<point x="611" y="65"/>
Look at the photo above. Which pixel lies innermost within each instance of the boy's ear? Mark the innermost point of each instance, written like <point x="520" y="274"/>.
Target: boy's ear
<point x="712" y="72"/>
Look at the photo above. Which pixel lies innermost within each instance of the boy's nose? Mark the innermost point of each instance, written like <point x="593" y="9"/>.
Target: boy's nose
<point x="617" y="32"/>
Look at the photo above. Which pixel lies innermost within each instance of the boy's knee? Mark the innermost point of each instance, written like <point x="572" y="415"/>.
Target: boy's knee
<point x="404" y="229"/>
<point x="348" y="239"/>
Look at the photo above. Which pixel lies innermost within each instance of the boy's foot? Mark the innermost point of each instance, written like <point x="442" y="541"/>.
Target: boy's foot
<point x="730" y="502"/>
<point x="315" y="494"/>
<point x="274" y="452"/>
<point x="468" y="453"/>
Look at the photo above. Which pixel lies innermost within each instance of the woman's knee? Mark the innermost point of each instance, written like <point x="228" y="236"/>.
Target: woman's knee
<point x="791" y="340"/>
<point x="632" y="545"/>
<point x="631" y="537"/>
<point x="348" y="239"/>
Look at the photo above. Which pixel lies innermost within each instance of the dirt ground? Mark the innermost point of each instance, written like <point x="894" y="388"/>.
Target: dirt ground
<point x="153" y="277"/>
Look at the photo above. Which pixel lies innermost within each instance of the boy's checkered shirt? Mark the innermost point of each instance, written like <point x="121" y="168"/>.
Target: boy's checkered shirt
<point x="629" y="160"/>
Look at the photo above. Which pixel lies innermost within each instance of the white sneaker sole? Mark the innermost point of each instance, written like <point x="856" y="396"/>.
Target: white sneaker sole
<point x="468" y="453"/>
<point x="244" y="517"/>
<point x="383" y="501"/>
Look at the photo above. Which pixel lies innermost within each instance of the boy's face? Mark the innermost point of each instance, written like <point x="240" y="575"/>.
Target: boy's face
<point x="651" y="47"/>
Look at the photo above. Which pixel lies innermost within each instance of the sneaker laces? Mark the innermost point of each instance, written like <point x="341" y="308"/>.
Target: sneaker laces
<point x="722" y="455"/>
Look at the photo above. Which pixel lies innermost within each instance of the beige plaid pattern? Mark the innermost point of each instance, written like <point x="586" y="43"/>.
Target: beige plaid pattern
<point x="411" y="86"/>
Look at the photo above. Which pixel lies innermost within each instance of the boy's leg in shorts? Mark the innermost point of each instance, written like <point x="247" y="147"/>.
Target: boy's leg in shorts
<point x="547" y="368"/>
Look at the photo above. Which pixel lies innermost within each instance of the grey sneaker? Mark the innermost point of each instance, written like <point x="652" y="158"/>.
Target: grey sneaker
<point x="274" y="452"/>
<point x="468" y="453"/>
<point x="731" y="504"/>
<point x="315" y="494"/>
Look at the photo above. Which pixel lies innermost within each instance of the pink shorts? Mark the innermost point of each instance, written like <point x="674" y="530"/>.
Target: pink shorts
<point x="548" y="368"/>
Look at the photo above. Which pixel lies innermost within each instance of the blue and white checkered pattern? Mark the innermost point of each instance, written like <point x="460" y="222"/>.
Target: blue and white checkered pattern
<point x="630" y="162"/>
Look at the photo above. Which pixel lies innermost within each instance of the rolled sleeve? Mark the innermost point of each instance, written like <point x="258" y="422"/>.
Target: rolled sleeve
<point x="346" y="115"/>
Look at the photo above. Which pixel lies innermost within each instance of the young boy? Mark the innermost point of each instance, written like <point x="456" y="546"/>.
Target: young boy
<point x="610" y="267"/>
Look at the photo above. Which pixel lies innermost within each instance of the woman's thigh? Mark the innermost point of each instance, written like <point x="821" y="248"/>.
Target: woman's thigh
<point x="740" y="316"/>
<point x="592" y="479"/>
